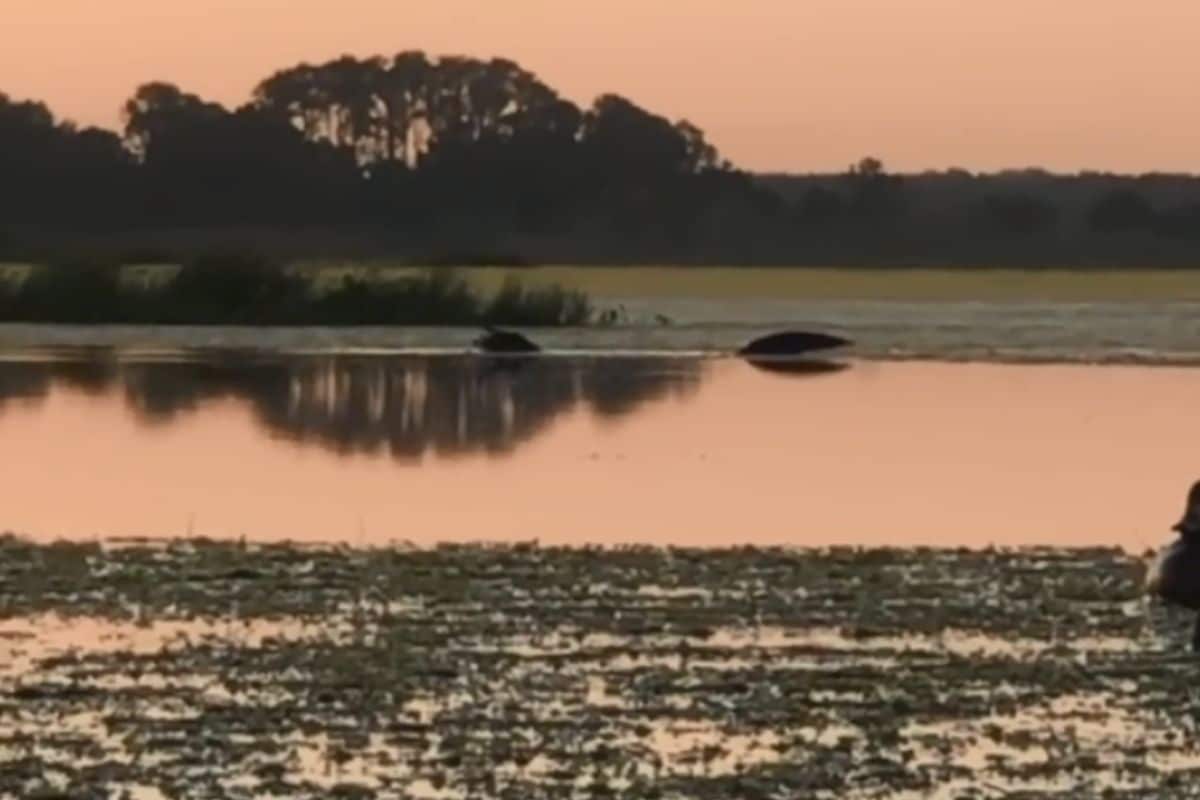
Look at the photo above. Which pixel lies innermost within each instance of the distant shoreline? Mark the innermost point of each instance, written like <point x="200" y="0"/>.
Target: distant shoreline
<point x="450" y="159"/>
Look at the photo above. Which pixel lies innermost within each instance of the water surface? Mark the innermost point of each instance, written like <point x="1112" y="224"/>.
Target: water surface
<point x="1142" y="332"/>
<point x="647" y="449"/>
<point x="262" y="670"/>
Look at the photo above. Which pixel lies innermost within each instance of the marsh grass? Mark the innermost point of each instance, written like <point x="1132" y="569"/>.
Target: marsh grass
<point x="75" y="292"/>
<point x="908" y="284"/>
<point x="236" y="288"/>
<point x="915" y="284"/>
<point x="437" y="297"/>
<point x="233" y="288"/>
<point x="517" y="304"/>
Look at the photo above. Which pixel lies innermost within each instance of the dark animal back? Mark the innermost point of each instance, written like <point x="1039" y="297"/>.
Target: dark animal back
<point x="791" y="343"/>
<point x="497" y="341"/>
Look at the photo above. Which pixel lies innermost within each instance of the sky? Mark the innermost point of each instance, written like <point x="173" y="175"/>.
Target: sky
<point x="780" y="85"/>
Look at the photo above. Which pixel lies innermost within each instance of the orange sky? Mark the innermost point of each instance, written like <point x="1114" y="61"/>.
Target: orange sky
<point x="778" y="84"/>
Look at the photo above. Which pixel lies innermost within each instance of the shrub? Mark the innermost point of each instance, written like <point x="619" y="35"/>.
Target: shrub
<point x="230" y="288"/>
<point x="68" y="292"/>
<point x="239" y="288"/>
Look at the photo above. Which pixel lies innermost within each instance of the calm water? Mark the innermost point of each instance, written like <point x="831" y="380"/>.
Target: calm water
<point x="594" y="450"/>
<point x="1022" y="332"/>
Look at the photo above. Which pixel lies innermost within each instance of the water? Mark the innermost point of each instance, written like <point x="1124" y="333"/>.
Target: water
<point x="539" y="673"/>
<point x="1022" y="332"/>
<point x="308" y="672"/>
<point x="591" y="450"/>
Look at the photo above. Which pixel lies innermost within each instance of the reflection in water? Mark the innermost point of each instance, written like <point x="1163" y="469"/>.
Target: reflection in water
<point x="600" y="450"/>
<point x="405" y="406"/>
<point x="798" y="366"/>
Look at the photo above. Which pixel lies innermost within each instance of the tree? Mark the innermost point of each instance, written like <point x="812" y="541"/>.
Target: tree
<point x="28" y="145"/>
<point x="202" y="162"/>
<point x="160" y="114"/>
<point x="53" y="170"/>
<point x="402" y="93"/>
<point x="701" y="155"/>
<point x="819" y="204"/>
<point x="1017" y="214"/>
<point x="453" y="147"/>
<point x="1120" y="210"/>
<point x="874" y="194"/>
<point x="1179" y="222"/>
<point x="334" y="103"/>
<point x="624" y="137"/>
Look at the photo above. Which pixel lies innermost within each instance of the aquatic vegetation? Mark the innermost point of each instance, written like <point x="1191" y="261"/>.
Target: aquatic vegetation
<point x="234" y="288"/>
<point x="437" y="297"/>
<point x="199" y="668"/>
<point x="516" y="304"/>
<point x="73" y="292"/>
<point x="237" y="288"/>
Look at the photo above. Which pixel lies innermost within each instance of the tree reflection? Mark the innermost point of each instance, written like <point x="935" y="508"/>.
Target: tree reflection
<point x="91" y="370"/>
<point x="405" y="406"/>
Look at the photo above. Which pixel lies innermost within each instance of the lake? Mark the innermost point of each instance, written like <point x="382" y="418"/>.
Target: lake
<point x="635" y="448"/>
<point x="290" y="665"/>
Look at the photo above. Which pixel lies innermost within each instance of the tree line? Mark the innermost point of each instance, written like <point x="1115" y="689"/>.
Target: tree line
<point x="457" y="158"/>
<point x="467" y="148"/>
<point x="1027" y="217"/>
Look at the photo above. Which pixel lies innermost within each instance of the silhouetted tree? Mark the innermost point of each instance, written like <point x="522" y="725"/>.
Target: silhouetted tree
<point x="203" y="163"/>
<point x="52" y="172"/>
<point x="621" y="135"/>
<point x="819" y="204"/>
<point x="1016" y="214"/>
<point x="874" y="194"/>
<point x="1121" y="210"/>
<point x="434" y="156"/>
<point x="1180" y="222"/>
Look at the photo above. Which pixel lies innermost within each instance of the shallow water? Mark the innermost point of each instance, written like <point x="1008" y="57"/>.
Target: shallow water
<point x="224" y="670"/>
<point x="569" y="450"/>
<point x="1011" y="331"/>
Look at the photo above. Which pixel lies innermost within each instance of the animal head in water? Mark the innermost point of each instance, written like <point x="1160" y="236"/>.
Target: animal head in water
<point x="500" y="341"/>
<point x="1190" y="523"/>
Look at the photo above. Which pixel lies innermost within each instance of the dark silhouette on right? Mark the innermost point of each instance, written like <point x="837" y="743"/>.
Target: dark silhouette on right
<point x="1176" y="575"/>
<point x="793" y="343"/>
<point x="505" y="342"/>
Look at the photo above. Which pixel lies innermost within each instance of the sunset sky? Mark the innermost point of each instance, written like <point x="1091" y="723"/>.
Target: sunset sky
<point x="793" y="85"/>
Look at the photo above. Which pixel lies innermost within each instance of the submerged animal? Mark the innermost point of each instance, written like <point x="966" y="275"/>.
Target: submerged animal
<point x="1175" y="574"/>
<point x="498" y="341"/>
<point x="792" y="343"/>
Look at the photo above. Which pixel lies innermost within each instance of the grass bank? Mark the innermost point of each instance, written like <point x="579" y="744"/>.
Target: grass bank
<point x="733" y="282"/>
<point x="824" y="283"/>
